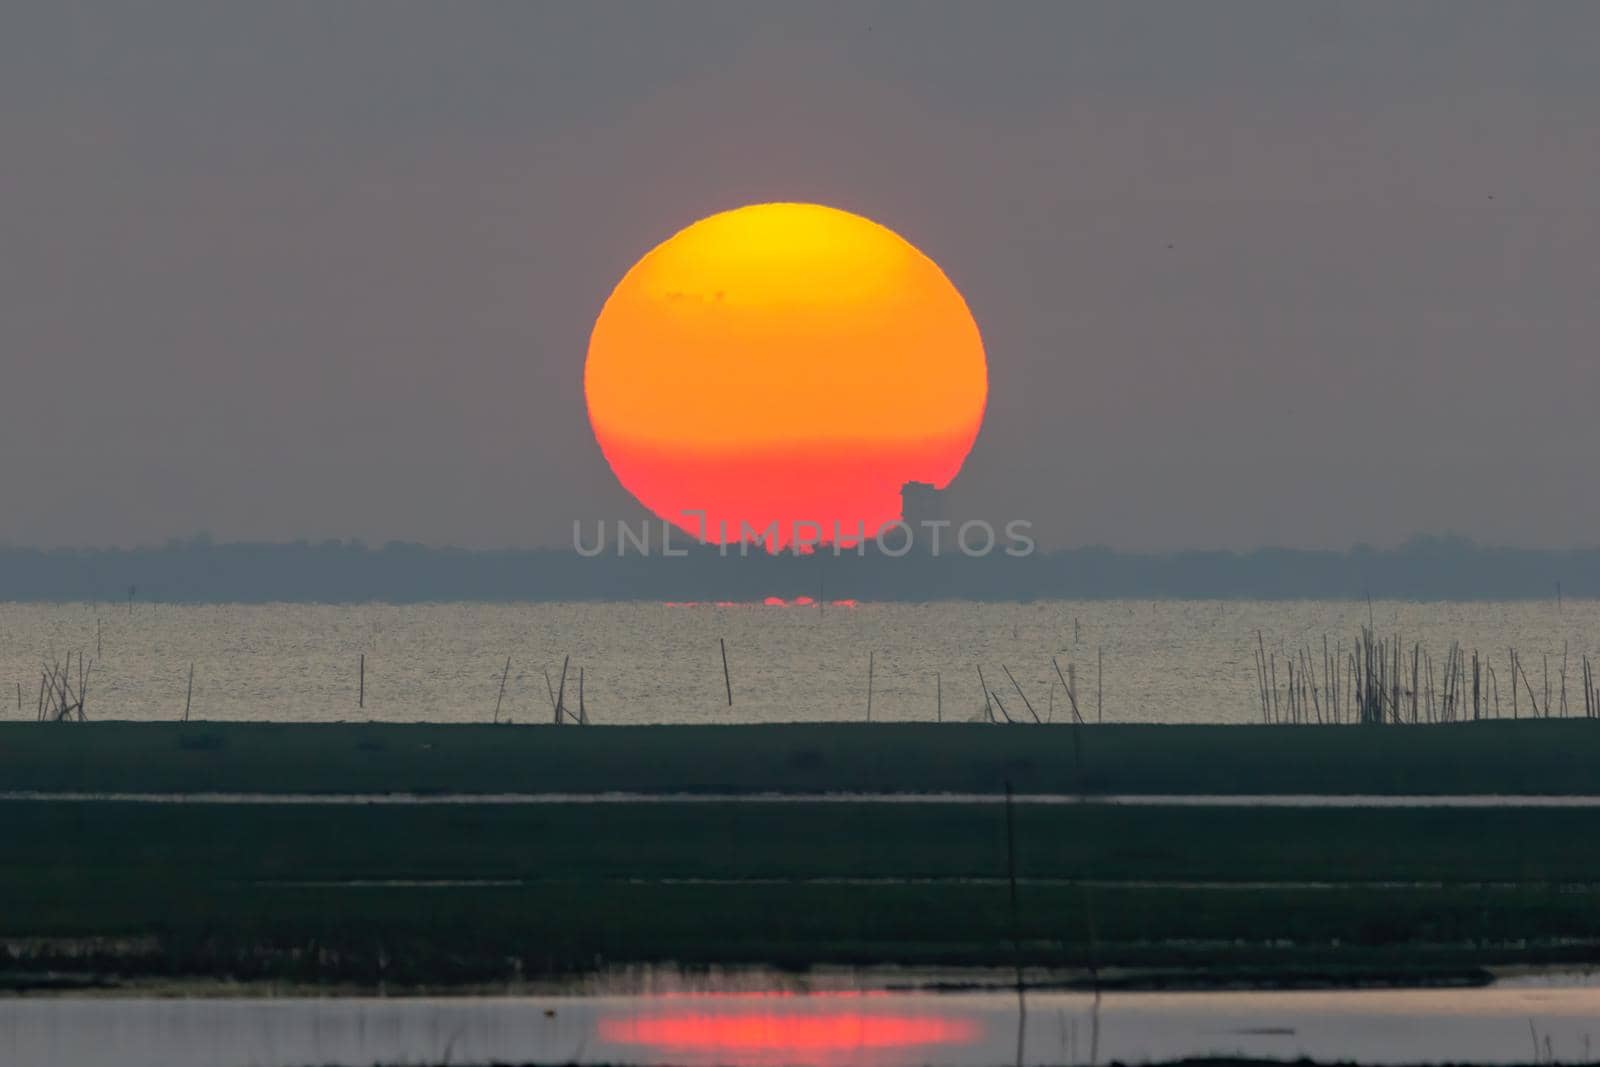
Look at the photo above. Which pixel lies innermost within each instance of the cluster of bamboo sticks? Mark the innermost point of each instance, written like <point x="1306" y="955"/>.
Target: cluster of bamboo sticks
<point x="1380" y="681"/>
<point x="61" y="699"/>
<point x="558" y="705"/>
<point x="1068" y="680"/>
<point x="558" y="696"/>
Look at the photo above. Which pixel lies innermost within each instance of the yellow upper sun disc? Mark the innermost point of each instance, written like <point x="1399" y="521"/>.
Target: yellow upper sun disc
<point x="808" y="339"/>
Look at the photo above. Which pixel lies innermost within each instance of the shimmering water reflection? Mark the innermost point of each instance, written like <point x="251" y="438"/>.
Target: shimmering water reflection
<point x="1495" y="1025"/>
<point x="1164" y="661"/>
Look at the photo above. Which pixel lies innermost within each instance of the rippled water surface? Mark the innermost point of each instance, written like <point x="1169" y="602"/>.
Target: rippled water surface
<point x="1164" y="661"/>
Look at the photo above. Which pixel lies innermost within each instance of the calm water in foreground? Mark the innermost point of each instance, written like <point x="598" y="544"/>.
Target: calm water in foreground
<point x="1484" y="1026"/>
<point x="1165" y="661"/>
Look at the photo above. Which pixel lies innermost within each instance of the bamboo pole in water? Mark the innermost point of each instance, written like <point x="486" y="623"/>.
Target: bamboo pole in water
<point x="505" y="674"/>
<point x="1261" y="670"/>
<point x="561" y="691"/>
<point x="1354" y="681"/>
<point x="1003" y="712"/>
<point x="1076" y="717"/>
<point x="1563" y="676"/>
<point x="1026" y="702"/>
<point x="871" y="660"/>
<point x="1547" y="685"/>
<point x="1588" y="678"/>
<point x="1477" y="687"/>
<point x="1072" y="682"/>
<point x="1288" y="664"/>
<point x="1261" y="685"/>
<point x="727" y="679"/>
<point x="1585" y="669"/>
<point x="1416" y="658"/>
<point x="1316" y="700"/>
<point x="1588" y="693"/>
<point x="1394" y="698"/>
<point x="1533" y="698"/>
<point x="1589" y="682"/>
<point x="1273" y="662"/>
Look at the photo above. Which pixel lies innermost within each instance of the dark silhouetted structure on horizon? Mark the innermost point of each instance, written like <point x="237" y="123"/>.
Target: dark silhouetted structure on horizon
<point x="921" y="502"/>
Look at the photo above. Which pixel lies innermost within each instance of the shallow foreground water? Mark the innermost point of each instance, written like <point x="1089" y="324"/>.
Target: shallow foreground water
<point x="1164" y="661"/>
<point x="827" y="1029"/>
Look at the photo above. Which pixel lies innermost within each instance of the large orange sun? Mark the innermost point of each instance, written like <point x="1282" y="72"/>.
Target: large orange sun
<point x="784" y="364"/>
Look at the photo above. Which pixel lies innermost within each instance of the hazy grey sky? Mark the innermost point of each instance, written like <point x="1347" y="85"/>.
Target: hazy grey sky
<point x="1247" y="274"/>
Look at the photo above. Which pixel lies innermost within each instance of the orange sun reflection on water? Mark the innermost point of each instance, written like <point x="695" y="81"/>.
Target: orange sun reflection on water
<point x="750" y="1031"/>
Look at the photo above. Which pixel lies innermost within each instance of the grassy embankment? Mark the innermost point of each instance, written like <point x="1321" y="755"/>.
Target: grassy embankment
<point x="366" y="893"/>
<point x="1529" y="757"/>
<point x="439" y="894"/>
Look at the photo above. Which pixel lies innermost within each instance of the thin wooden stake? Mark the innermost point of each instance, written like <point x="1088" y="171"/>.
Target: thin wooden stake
<point x="561" y="693"/>
<point x="1071" y="697"/>
<point x="497" y="700"/>
<point x="188" y="696"/>
<point x="1532" y="697"/>
<point x="1100" y="685"/>
<point x="727" y="679"/>
<point x="991" y="694"/>
<point x="1563" y="669"/>
<point x="1026" y="702"/>
<point x="871" y="657"/>
<point x="361" y="693"/>
<point x="1511" y="653"/>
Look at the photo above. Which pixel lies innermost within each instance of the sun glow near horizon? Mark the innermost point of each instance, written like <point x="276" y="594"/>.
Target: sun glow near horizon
<point x="784" y="362"/>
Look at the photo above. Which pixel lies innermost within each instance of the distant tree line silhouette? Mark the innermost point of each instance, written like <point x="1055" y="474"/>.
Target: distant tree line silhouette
<point x="200" y="571"/>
